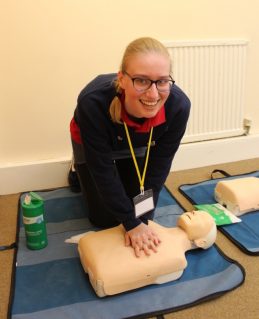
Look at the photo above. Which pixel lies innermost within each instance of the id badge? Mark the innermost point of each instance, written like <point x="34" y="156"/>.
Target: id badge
<point x="143" y="202"/>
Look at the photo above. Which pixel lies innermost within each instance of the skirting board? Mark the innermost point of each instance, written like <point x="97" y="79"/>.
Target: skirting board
<point x="31" y="176"/>
<point x="23" y="177"/>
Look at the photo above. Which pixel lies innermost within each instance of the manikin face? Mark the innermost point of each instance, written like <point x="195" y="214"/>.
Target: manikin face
<point x="198" y="225"/>
<point x="153" y="66"/>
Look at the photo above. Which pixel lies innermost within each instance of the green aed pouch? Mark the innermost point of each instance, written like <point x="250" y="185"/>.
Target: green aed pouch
<point x="221" y="215"/>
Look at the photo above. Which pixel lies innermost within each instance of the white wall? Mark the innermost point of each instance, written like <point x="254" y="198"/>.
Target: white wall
<point x="51" y="49"/>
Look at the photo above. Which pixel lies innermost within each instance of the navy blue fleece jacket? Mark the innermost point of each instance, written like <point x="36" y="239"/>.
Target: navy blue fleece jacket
<point x="105" y="141"/>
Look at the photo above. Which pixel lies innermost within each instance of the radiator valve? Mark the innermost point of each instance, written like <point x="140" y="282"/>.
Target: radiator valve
<point x="247" y="125"/>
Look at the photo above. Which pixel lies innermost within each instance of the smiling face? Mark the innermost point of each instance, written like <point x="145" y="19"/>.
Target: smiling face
<point x="153" y="66"/>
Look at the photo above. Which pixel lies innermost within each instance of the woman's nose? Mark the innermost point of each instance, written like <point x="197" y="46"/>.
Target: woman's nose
<point x="152" y="91"/>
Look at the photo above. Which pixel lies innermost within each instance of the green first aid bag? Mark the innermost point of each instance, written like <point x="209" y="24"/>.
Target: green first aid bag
<point x="221" y="215"/>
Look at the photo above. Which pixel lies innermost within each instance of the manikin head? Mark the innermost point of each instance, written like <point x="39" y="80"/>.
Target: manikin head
<point x="200" y="228"/>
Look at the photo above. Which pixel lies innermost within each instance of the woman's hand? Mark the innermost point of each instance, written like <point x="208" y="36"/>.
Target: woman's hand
<point x="143" y="238"/>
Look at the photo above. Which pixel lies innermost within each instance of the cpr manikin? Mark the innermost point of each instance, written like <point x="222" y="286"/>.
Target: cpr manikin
<point x="113" y="268"/>
<point x="239" y="195"/>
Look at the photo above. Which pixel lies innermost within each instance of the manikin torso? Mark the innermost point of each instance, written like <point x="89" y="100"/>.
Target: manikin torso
<point x="114" y="268"/>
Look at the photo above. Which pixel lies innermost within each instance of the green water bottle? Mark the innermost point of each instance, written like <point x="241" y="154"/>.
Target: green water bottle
<point x="33" y="221"/>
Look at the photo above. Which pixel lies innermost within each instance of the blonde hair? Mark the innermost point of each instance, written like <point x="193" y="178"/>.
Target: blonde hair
<point x="140" y="45"/>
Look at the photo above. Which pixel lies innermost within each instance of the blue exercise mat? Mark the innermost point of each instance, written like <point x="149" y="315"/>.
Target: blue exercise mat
<point x="50" y="283"/>
<point x="245" y="234"/>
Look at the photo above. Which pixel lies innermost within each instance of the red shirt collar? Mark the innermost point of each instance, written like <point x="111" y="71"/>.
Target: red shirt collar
<point x="146" y="125"/>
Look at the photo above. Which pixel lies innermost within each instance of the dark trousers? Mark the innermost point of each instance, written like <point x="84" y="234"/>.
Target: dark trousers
<point x="99" y="214"/>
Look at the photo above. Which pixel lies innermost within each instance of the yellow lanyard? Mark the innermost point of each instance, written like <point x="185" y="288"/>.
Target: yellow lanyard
<point x="141" y="179"/>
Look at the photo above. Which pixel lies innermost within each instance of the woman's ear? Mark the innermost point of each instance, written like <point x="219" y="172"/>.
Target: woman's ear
<point x="120" y="77"/>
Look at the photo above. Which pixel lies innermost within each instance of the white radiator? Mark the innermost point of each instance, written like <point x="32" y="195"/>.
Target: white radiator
<point x="212" y="73"/>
